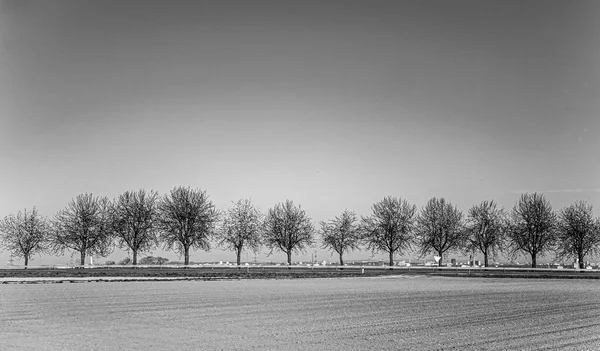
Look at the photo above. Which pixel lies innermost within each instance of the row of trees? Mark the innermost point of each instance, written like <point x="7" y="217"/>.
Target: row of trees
<point x="532" y="228"/>
<point x="185" y="219"/>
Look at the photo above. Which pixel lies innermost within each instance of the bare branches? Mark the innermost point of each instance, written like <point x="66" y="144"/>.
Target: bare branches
<point x="134" y="221"/>
<point x="25" y="234"/>
<point x="241" y="228"/>
<point x="486" y="226"/>
<point x="186" y="220"/>
<point x="84" y="226"/>
<point x="287" y="228"/>
<point x="578" y="232"/>
<point x="532" y="226"/>
<point x="390" y="227"/>
<point x="440" y="228"/>
<point x="341" y="234"/>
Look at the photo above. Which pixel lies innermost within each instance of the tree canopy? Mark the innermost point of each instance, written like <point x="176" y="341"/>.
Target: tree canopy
<point x="25" y="234"/>
<point x="486" y="227"/>
<point x="288" y="229"/>
<point x="532" y="226"/>
<point x="187" y="219"/>
<point x="84" y="226"/>
<point x="341" y="234"/>
<point x="241" y="228"/>
<point x="135" y="216"/>
<point x="578" y="234"/>
<point x="390" y="228"/>
<point x="440" y="228"/>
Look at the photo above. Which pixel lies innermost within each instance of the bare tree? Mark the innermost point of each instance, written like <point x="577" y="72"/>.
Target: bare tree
<point x="532" y="226"/>
<point x="25" y="234"/>
<point x="390" y="228"/>
<point x="341" y="234"/>
<point x="241" y="228"/>
<point x="578" y="232"/>
<point x="486" y="227"/>
<point x="287" y="228"/>
<point x="440" y="228"/>
<point x="134" y="221"/>
<point x="186" y="220"/>
<point x="84" y="226"/>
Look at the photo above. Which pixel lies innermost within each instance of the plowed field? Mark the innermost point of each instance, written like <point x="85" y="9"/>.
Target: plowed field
<point x="385" y="313"/>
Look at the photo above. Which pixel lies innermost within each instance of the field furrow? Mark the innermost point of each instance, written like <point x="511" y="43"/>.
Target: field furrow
<point x="433" y="313"/>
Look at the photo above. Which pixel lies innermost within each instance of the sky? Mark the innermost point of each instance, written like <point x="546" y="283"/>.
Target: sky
<point x="331" y="104"/>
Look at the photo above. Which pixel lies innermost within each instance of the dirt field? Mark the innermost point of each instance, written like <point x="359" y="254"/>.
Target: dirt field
<point x="384" y="313"/>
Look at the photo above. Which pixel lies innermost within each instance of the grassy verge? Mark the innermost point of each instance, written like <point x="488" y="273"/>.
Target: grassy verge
<point x="208" y="273"/>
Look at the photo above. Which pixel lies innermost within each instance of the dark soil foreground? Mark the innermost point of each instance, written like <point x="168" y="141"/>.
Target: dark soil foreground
<point x="218" y="273"/>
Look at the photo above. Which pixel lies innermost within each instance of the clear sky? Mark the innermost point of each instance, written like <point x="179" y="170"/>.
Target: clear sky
<point x="332" y="104"/>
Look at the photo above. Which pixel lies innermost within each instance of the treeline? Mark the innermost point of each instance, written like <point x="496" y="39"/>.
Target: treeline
<point x="186" y="219"/>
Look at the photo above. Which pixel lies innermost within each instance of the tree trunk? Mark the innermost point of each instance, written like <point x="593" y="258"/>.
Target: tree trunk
<point x="580" y="258"/>
<point x="134" y="257"/>
<point x="239" y="257"/>
<point x="391" y="258"/>
<point x="289" y="257"/>
<point x="26" y="261"/>
<point x="485" y="257"/>
<point x="341" y="260"/>
<point x="533" y="260"/>
<point x="82" y="262"/>
<point x="441" y="254"/>
<point x="186" y="255"/>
